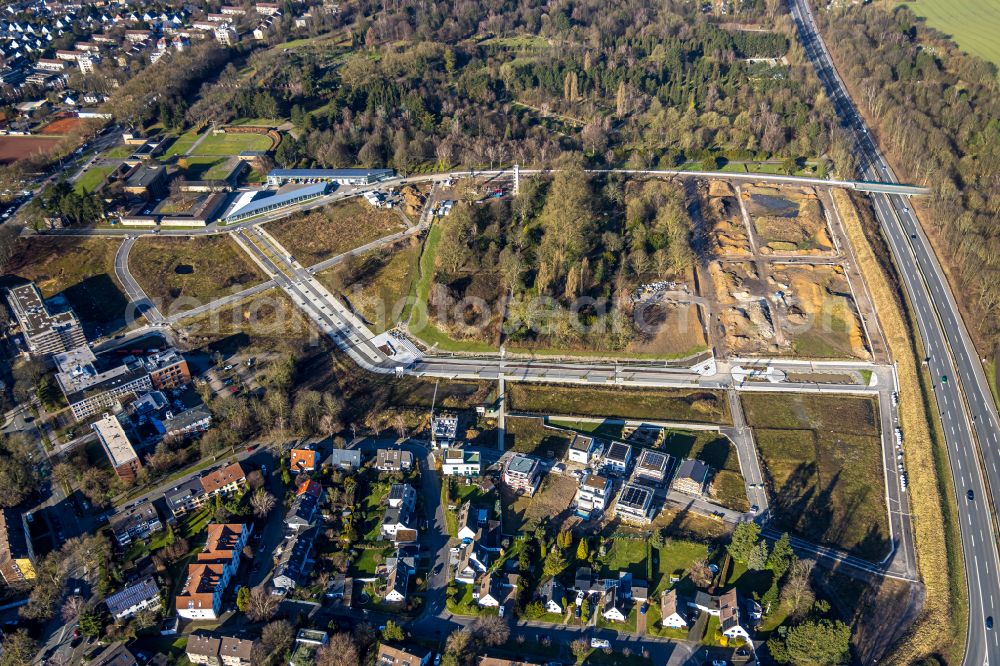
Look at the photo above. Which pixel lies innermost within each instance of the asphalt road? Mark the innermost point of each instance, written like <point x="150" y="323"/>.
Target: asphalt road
<point x="964" y="400"/>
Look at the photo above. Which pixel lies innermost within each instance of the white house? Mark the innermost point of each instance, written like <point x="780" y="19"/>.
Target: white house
<point x="611" y="607"/>
<point x="585" y="449"/>
<point x="729" y="616"/>
<point x="551" y="594"/>
<point x="669" y="617"/>
<point x="489" y="591"/>
<point x="460" y="462"/>
<point x="593" y="496"/>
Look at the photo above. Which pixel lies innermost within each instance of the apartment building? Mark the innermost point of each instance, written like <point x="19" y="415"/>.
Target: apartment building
<point x="201" y="596"/>
<point x="393" y="460"/>
<point x="652" y="467"/>
<point x="219" y="650"/>
<point x="134" y="599"/>
<point x="635" y="504"/>
<point x="135" y="523"/>
<point x="194" y="493"/>
<point x="17" y="559"/>
<point x="461" y="462"/>
<point x="117" y="447"/>
<point x="522" y="474"/>
<point x="584" y="449"/>
<point x="48" y="327"/>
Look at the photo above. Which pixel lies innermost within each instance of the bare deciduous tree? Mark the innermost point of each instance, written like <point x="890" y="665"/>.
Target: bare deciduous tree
<point x="262" y="502"/>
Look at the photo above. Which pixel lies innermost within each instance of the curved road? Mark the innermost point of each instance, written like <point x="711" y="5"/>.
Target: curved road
<point x="965" y="403"/>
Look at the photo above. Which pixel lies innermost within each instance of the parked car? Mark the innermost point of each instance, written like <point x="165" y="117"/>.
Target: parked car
<point x="600" y="643"/>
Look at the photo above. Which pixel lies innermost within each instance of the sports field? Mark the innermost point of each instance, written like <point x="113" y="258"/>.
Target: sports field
<point x="973" y="24"/>
<point x="231" y="144"/>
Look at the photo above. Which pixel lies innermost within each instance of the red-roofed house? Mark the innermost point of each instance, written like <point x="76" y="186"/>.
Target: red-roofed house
<point x="303" y="460"/>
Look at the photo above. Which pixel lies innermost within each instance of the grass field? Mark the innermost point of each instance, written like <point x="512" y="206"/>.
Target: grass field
<point x="326" y="232"/>
<point x="529" y="435"/>
<point x="119" y="152"/>
<point x="266" y="321"/>
<point x="81" y="269"/>
<point x="659" y="405"/>
<point x="972" y="24"/>
<point x="92" y="178"/>
<point x="206" y="168"/>
<point x="182" y="273"/>
<point x="181" y="145"/>
<point x="231" y="144"/>
<point x="377" y="283"/>
<point x="823" y="464"/>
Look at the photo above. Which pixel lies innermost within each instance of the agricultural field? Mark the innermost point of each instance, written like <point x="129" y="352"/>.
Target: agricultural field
<point x="63" y="126"/>
<point x="81" y="269"/>
<point x="14" y="148"/>
<point x="822" y="461"/>
<point x="972" y="24"/>
<point x="326" y="232"/>
<point x="183" y="273"/>
<point x="377" y="284"/>
<point x="231" y="144"/>
<point x="665" y="405"/>
<point x="787" y="220"/>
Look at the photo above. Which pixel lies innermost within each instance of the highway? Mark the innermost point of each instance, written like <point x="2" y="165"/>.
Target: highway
<point x="965" y="403"/>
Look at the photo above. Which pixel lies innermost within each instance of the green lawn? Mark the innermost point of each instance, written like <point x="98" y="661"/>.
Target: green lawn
<point x="675" y="559"/>
<point x="207" y="168"/>
<point x="262" y="122"/>
<point x="366" y="563"/>
<point x="463" y="604"/>
<point x="182" y="144"/>
<point x="231" y="144"/>
<point x="625" y="555"/>
<point x="120" y="151"/>
<point x="973" y="24"/>
<point x="615" y="402"/>
<point x="92" y="178"/>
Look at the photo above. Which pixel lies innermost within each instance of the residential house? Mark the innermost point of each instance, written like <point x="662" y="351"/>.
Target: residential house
<point x="691" y="477"/>
<point x="651" y="467"/>
<point x="444" y="429"/>
<point x="639" y="591"/>
<point x="522" y="474"/>
<point x="729" y="616"/>
<point x="470" y="521"/>
<point x="399" y="514"/>
<point x="185" y="497"/>
<point x="472" y="562"/>
<point x="551" y="593"/>
<point x="593" y="496"/>
<point x="617" y="458"/>
<point x="201" y="596"/>
<point x="301" y="513"/>
<point x="635" y="504"/>
<point x="295" y="561"/>
<point x="613" y="606"/>
<point x="134" y="599"/>
<point x="400" y="569"/>
<point x="345" y="459"/>
<point x="393" y="460"/>
<point x="115" y="654"/>
<point x="224" y="480"/>
<point x="669" y="616"/>
<point x="583" y="581"/>
<point x="17" y="558"/>
<point x="489" y="594"/>
<point x="303" y="460"/>
<point x="391" y="655"/>
<point x="204" y="649"/>
<point x="135" y="523"/>
<point x="584" y="449"/>
<point x="460" y="462"/>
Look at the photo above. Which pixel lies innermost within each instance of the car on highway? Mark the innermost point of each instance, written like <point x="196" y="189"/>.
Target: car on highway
<point x="970" y="495"/>
<point x="989" y="623"/>
<point x="600" y="643"/>
<point x="944" y="379"/>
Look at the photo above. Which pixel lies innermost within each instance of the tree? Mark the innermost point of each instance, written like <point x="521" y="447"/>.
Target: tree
<point x="582" y="551"/>
<point x="243" y="599"/>
<point x="262" y="502"/>
<point x="819" y="643"/>
<point x="567" y="220"/>
<point x="585" y="610"/>
<point x="261" y="606"/>
<point x="340" y="650"/>
<point x="745" y="538"/>
<point x="491" y="630"/>
<point x="797" y="593"/>
<point x="580" y="649"/>
<point x="276" y="638"/>
<point x="19" y="649"/>
<point x="564" y="539"/>
<point x="393" y="632"/>
<point x="92" y="623"/>
<point x="72" y="607"/>
<point x="781" y="556"/>
<point x="701" y="573"/>
<point x="554" y="564"/>
<point x="460" y="645"/>
<point x="757" y="559"/>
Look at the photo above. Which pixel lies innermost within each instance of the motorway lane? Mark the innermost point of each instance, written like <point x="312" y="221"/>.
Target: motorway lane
<point x="950" y="354"/>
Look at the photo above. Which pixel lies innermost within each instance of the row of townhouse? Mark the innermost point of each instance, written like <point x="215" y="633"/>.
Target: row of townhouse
<point x="200" y="597"/>
<point x="294" y="557"/>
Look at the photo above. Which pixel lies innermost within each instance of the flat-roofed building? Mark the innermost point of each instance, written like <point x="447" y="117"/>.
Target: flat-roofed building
<point x="652" y="467"/>
<point x="167" y="369"/>
<point x="117" y="446"/>
<point x="584" y="449"/>
<point x="461" y="462"/>
<point x="617" y="458"/>
<point x="635" y="504"/>
<point x="17" y="559"/>
<point x="444" y="429"/>
<point x="92" y="384"/>
<point x="593" y="496"/>
<point x="189" y="422"/>
<point x="135" y="523"/>
<point x="48" y="328"/>
<point x="277" y="177"/>
<point x="522" y="474"/>
<point x="691" y="477"/>
<point x="253" y="205"/>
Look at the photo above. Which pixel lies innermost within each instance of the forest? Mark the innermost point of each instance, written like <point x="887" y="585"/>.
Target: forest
<point x="937" y="111"/>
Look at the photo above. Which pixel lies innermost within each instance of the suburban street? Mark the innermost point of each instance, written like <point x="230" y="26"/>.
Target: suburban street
<point x="965" y="403"/>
